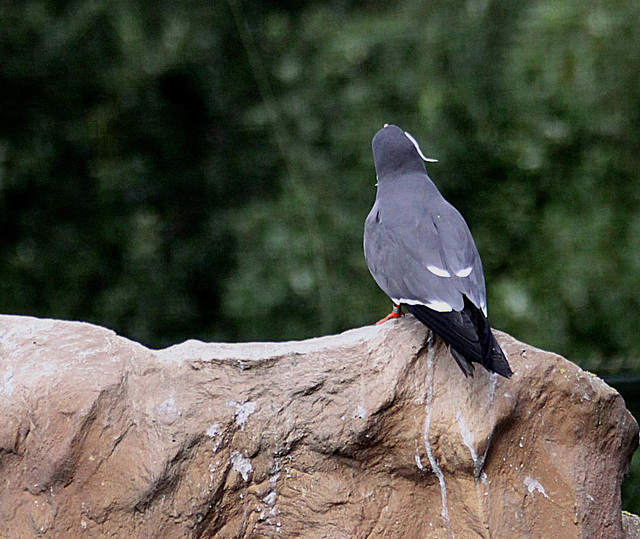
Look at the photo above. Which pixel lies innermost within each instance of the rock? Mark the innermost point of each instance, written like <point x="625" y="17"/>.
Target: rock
<point x="631" y="526"/>
<point x="374" y="432"/>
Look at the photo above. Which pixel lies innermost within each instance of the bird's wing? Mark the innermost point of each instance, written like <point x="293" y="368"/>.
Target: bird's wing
<point x="459" y="253"/>
<point x="430" y="261"/>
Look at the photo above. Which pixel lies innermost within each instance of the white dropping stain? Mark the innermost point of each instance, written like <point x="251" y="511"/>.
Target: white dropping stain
<point x="534" y="485"/>
<point x="270" y="498"/>
<point x="467" y="435"/>
<point x="480" y="476"/>
<point x="469" y="440"/>
<point x="214" y="430"/>
<point x="427" y="444"/>
<point x="168" y="407"/>
<point x="243" y="411"/>
<point x="361" y="411"/>
<point x="419" y="462"/>
<point x="274" y="480"/>
<point x="241" y="464"/>
<point x="8" y="384"/>
<point x="479" y="464"/>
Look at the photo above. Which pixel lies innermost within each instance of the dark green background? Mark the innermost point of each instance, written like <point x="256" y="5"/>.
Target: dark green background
<point x="196" y="169"/>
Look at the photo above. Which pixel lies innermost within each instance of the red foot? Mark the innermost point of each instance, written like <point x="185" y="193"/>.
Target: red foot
<point x="396" y="313"/>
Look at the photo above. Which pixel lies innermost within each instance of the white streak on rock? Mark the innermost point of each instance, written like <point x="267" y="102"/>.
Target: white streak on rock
<point x="469" y="440"/>
<point x="8" y="384"/>
<point x="427" y="444"/>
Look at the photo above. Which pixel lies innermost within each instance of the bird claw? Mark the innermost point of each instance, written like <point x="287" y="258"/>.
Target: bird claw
<point x="396" y="313"/>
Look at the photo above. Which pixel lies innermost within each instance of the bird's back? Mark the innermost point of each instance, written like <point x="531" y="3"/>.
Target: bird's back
<point x="421" y="253"/>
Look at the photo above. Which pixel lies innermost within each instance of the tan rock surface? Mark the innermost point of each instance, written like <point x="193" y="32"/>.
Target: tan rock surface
<point x="631" y="526"/>
<point x="371" y="433"/>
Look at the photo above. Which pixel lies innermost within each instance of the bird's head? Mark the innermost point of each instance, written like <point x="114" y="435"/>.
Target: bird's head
<point x="396" y="151"/>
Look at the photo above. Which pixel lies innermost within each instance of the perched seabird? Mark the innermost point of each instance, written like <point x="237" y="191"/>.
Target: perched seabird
<point x="421" y="253"/>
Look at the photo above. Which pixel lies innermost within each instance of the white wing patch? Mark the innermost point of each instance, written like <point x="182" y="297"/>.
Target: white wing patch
<point x="440" y="306"/>
<point x="415" y="143"/>
<point x="439" y="271"/>
<point x="435" y="304"/>
<point x="464" y="272"/>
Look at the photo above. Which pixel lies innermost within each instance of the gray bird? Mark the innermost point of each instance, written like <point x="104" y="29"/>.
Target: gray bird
<point x="421" y="253"/>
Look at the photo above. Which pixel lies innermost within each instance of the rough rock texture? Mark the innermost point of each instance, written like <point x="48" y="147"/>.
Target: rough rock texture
<point x="371" y="433"/>
<point x="631" y="526"/>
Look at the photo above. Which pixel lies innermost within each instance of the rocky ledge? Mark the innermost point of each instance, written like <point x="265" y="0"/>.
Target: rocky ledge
<point x="371" y="433"/>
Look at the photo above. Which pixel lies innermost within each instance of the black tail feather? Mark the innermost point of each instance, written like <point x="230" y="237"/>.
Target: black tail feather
<point x="468" y="335"/>
<point x="498" y="361"/>
<point x="466" y="366"/>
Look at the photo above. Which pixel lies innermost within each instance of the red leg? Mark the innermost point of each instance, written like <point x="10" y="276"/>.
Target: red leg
<point x="396" y="313"/>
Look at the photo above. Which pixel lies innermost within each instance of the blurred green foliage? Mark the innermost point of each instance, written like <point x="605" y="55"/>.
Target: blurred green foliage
<point x="203" y="169"/>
